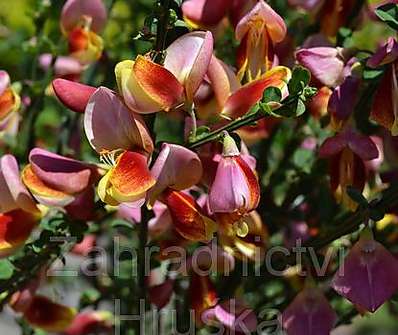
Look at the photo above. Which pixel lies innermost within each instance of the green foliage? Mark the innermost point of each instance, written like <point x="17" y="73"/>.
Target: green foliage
<point x="388" y="13"/>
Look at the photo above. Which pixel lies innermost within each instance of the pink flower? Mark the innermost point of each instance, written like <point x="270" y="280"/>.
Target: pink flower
<point x="55" y="180"/>
<point x="369" y="275"/>
<point x="18" y="211"/>
<point x="74" y="10"/>
<point x="64" y="67"/>
<point x="110" y="125"/>
<point x="148" y="87"/>
<point x="326" y="64"/>
<point x="235" y="187"/>
<point x="258" y="31"/>
<point x="205" y="13"/>
<point x="175" y="167"/>
<point x="10" y="102"/>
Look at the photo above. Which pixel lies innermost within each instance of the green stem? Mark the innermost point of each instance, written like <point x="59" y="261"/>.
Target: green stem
<point x="233" y="125"/>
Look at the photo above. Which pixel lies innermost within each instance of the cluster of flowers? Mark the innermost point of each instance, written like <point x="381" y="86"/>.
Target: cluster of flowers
<point x="192" y="203"/>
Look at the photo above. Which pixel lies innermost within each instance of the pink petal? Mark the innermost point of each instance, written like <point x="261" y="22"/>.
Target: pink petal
<point x="309" y="313"/>
<point x="13" y="193"/>
<point x="74" y="10"/>
<point x="110" y="125"/>
<point x="58" y="172"/>
<point x="161" y="223"/>
<point x="73" y="95"/>
<point x="388" y="53"/>
<point x="374" y="164"/>
<point x="176" y="167"/>
<point x="236" y="316"/>
<point x="325" y="64"/>
<point x="205" y="12"/>
<point x="229" y="191"/>
<point x="368" y="276"/>
<point x="274" y="23"/>
<point x="4" y="81"/>
<point x="188" y="59"/>
<point x="64" y="65"/>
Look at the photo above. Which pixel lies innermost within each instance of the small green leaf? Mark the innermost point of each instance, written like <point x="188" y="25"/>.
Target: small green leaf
<point x="372" y="74"/>
<point x="300" y="79"/>
<point x="292" y="109"/>
<point x="388" y="13"/>
<point x="272" y="94"/>
<point x="6" y="269"/>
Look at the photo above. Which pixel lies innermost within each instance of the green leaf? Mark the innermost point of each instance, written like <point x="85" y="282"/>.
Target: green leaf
<point x="300" y="79"/>
<point x="6" y="269"/>
<point x="388" y="13"/>
<point x="372" y="74"/>
<point x="272" y="94"/>
<point x="292" y="109"/>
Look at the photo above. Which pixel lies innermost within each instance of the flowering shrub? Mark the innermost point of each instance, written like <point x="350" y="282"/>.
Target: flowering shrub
<point x="198" y="166"/>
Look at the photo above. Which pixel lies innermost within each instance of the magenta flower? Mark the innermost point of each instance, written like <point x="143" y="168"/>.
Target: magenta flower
<point x="369" y="275"/>
<point x="309" y="313"/>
